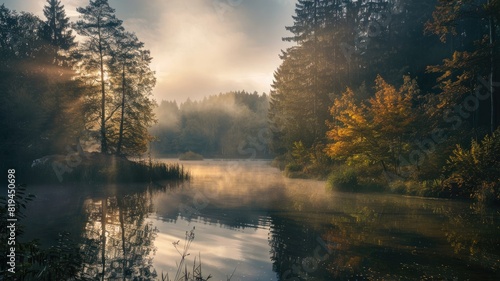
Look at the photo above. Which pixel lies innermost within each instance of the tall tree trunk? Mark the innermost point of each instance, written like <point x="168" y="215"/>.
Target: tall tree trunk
<point x="120" y="137"/>
<point x="104" y="143"/>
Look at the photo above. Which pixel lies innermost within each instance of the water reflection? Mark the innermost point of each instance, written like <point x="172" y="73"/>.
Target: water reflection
<point x="251" y="221"/>
<point x="118" y="244"/>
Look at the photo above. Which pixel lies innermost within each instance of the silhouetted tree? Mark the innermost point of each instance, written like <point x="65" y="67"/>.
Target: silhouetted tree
<point x="57" y="27"/>
<point x="133" y="82"/>
<point x="100" y="27"/>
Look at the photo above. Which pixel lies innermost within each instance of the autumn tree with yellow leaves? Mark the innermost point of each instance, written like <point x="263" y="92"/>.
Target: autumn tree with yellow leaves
<point x="379" y="130"/>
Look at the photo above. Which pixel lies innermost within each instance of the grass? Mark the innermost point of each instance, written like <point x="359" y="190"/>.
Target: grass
<point x="100" y="168"/>
<point x="183" y="273"/>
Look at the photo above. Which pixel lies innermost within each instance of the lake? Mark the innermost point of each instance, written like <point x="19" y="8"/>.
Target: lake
<point x="251" y="223"/>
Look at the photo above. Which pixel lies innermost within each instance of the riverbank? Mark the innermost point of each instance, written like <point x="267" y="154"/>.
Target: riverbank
<point x="374" y="235"/>
<point x="373" y="179"/>
<point x="93" y="168"/>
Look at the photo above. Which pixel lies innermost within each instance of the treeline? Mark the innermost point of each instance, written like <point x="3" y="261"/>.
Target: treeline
<point x="58" y="93"/>
<point x="392" y="93"/>
<point x="225" y="125"/>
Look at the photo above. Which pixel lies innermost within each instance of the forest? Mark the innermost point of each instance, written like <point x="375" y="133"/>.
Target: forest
<point x="373" y="96"/>
<point x="378" y="94"/>
<point x="63" y="99"/>
<point x="221" y="126"/>
<point x="391" y="94"/>
<point x="57" y="90"/>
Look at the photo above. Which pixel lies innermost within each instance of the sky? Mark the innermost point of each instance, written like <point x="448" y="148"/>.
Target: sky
<point x="200" y="47"/>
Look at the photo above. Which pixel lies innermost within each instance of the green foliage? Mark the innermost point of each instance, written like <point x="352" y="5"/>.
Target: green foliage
<point x="343" y="179"/>
<point x="392" y="126"/>
<point x="116" y="59"/>
<point x="294" y="170"/>
<point x="338" y="46"/>
<point x="132" y="85"/>
<point x="477" y="56"/>
<point x="379" y="129"/>
<point x="476" y="171"/>
<point x="99" y="27"/>
<point x="62" y="261"/>
<point x="57" y="26"/>
<point x="431" y="188"/>
<point x="299" y="153"/>
<point x="305" y="162"/>
<point x="40" y="102"/>
<point x="50" y="99"/>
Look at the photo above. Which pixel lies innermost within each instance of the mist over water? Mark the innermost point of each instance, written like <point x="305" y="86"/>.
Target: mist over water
<point x="249" y="217"/>
<point x="230" y="203"/>
<point x="251" y="220"/>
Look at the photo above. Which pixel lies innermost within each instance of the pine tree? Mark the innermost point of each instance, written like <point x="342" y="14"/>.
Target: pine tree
<point x="134" y="82"/>
<point x="57" y="26"/>
<point x="100" y="26"/>
<point x="471" y="27"/>
<point x="307" y="76"/>
<point x="40" y="104"/>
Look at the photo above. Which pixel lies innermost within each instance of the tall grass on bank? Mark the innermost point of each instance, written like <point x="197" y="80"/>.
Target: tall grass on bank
<point x="183" y="273"/>
<point x="98" y="168"/>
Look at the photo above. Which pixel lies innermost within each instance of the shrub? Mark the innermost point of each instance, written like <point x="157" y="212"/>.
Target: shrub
<point x="279" y="162"/>
<point x="300" y="153"/>
<point x="343" y="179"/>
<point x="477" y="168"/>
<point x="294" y="170"/>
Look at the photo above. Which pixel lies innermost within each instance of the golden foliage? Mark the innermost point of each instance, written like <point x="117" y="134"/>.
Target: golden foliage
<point x="377" y="129"/>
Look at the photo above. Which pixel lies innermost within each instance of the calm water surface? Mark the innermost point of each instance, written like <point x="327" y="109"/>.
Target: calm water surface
<point x="252" y="223"/>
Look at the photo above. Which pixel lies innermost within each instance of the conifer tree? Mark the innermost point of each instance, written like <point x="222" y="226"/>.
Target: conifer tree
<point x="471" y="27"/>
<point x="100" y="27"/>
<point x="57" y="28"/>
<point x="133" y="82"/>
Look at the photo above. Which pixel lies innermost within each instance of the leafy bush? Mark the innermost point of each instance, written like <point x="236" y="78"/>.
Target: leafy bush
<point x="305" y="162"/>
<point x="477" y="168"/>
<point x="429" y="188"/>
<point x="294" y="170"/>
<point x="279" y="162"/>
<point x="300" y="153"/>
<point x="343" y="179"/>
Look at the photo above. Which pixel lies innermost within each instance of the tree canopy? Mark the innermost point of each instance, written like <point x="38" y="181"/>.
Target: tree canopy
<point x="58" y="93"/>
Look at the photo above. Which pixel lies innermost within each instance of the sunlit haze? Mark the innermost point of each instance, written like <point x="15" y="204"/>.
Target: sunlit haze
<point x="200" y="47"/>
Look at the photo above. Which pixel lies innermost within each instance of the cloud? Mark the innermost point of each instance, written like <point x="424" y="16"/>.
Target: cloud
<point x="201" y="47"/>
<point x="205" y="47"/>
